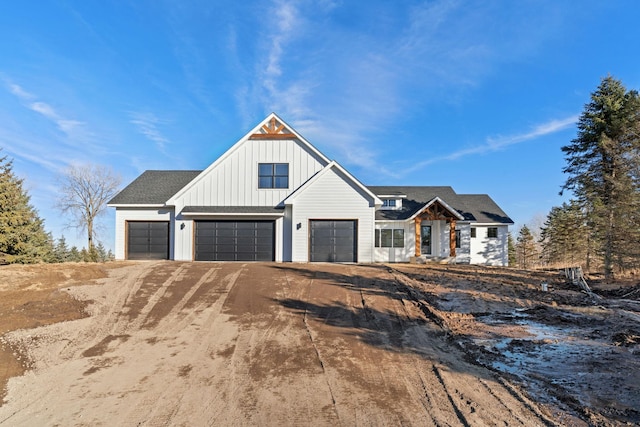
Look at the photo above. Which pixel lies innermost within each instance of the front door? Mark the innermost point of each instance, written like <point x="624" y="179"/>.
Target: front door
<point x="425" y="236"/>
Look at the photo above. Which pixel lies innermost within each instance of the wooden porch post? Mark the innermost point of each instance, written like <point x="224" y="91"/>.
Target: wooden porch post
<point x="418" y="239"/>
<point x="452" y="238"/>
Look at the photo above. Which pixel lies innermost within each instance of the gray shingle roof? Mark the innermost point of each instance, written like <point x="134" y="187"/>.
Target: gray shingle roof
<point x="478" y="208"/>
<point x="153" y="187"/>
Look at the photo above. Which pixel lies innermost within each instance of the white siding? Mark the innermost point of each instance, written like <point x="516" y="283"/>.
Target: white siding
<point x="234" y="180"/>
<point x="463" y="253"/>
<point x="489" y="251"/>
<point x="440" y="241"/>
<point x="184" y="249"/>
<point x="332" y="197"/>
<point x="397" y="254"/>
<point x="140" y="214"/>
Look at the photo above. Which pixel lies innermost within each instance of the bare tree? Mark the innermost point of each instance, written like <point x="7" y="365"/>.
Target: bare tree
<point x="84" y="193"/>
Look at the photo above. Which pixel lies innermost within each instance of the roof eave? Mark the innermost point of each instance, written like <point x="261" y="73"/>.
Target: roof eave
<point x="138" y="205"/>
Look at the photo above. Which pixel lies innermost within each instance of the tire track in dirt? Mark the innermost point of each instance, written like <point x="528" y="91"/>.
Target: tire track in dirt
<point x="502" y="394"/>
<point x="398" y="323"/>
<point x="263" y="344"/>
<point x="317" y="352"/>
<point x="162" y="407"/>
<point x="91" y="330"/>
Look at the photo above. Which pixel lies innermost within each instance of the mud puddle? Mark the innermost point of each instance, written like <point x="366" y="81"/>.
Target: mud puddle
<point x="560" y="361"/>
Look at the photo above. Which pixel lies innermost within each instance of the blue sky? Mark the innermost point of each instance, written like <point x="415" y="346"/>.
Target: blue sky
<point x="479" y="95"/>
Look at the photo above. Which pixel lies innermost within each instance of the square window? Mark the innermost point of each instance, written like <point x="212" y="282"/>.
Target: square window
<point x="492" y="232"/>
<point x="273" y="175"/>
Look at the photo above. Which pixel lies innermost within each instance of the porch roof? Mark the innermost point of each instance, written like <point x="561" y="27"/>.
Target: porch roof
<point x="475" y="208"/>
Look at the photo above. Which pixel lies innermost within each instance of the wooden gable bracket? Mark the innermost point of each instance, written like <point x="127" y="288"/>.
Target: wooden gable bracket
<point x="272" y="131"/>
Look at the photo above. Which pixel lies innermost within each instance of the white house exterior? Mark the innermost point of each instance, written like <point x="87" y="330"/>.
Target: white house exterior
<point x="274" y="197"/>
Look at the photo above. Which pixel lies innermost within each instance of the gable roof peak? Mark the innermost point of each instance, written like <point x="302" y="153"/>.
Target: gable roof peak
<point x="274" y="128"/>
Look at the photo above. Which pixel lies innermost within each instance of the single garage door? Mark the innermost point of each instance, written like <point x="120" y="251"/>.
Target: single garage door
<point x="148" y="240"/>
<point x="334" y="241"/>
<point x="235" y="240"/>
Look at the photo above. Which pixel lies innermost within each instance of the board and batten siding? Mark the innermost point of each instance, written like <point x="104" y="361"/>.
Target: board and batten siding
<point x="396" y="254"/>
<point x="139" y="214"/>
<point x="463" y="253"/>
<point x="332" y="197"/>
<point x="233" y="181"/>
<point x="490" y="250"/>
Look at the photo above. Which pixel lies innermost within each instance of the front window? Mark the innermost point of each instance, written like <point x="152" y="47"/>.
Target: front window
<point x="457" y="238"/>
<point x="389" y="203"/>
<point x="492" y="232"/>
<point x="473" y="232"/>
<point x="273" y="175"/>
<point x="390" y="238"/>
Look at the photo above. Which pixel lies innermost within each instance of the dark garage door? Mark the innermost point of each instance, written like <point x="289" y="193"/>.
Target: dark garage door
<point x="235" y="240"/>
<point x="148" y="240"/>
<point x="333" y="241"/>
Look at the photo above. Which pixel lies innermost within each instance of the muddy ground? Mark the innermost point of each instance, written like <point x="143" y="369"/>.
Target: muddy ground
<point x="168" y="343"/>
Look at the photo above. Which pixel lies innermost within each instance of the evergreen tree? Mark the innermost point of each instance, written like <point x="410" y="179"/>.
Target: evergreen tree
<point x="100" y="252"/>
<point x="22" y="235"/>
<point x="74" y="254"/>
<point x="61" y="251"/>
<point x="603" y="164"/>
<point x="565" y="236"/>
<point x="526" y="249"/>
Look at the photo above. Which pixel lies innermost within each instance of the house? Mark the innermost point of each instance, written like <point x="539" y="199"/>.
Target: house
<point x="274" y="197"/>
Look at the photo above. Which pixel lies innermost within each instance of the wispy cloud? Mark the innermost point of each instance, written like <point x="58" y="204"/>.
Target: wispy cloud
<point x="352" y="87"/>
<point x="73" y="129"/>
<point x="147" y="124"/>
<point x="286" y="17"/>
<point x="20" y="92"/>
<point x="498" y="143"/>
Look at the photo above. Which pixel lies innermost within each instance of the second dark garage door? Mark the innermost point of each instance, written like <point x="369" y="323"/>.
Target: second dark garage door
<point x="235" y="240"/>
<point x="333" y="241"/>
<point x="148" y="240"/>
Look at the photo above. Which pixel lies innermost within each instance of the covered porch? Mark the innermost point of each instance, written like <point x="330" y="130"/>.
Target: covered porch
<point x="426" y="234"/>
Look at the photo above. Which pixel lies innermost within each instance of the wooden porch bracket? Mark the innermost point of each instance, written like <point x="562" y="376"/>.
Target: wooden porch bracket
<point x="452" y="238"/>
<point x="418" y="239"/>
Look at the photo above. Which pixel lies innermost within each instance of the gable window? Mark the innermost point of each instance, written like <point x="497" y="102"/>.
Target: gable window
<point x="273" y="175"/>
<point x="492" y="232"/>
<point x="390" y="238"/>
<point x="457" y="238"/>
<point x="389" y="203"/>
<point x="473" y="232"/>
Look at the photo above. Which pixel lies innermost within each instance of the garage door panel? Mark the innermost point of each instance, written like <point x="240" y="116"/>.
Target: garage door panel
<point x="148" y="240"/>
<point x="333" y="241"/>
<point x="235" y="241"/>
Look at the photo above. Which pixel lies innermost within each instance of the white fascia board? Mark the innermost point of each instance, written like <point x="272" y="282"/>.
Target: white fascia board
<point x="237" y="145"/>
<point x="291" y="199"/>
<point x="120" y="205"/>
<point x="231" y="214"/>
<point x="392" y="196"/>
<point x="432" y="201"/>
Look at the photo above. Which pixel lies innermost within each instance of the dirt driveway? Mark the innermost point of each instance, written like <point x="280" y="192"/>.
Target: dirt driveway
<point x="169" y="343"/>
